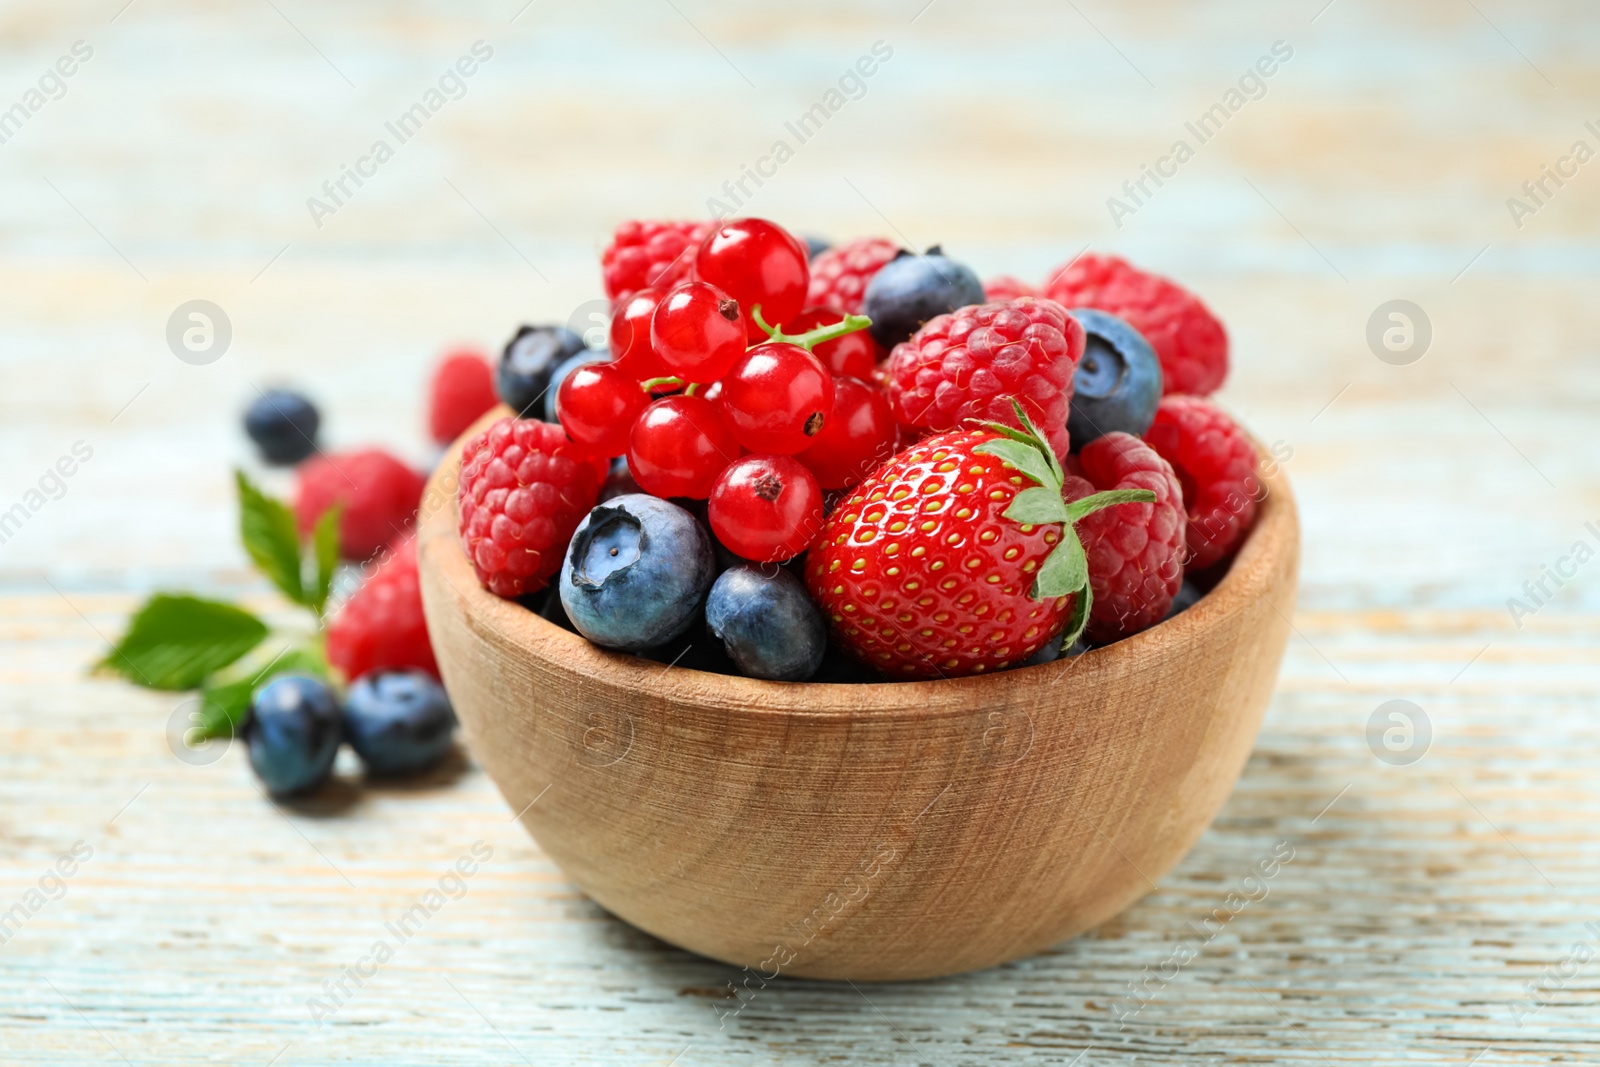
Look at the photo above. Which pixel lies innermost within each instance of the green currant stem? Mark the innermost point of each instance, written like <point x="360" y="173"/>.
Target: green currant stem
<point x="813" y="337"/>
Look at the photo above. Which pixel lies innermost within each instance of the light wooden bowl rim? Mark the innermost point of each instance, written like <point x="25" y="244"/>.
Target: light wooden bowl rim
<point x="1247" y="581"/>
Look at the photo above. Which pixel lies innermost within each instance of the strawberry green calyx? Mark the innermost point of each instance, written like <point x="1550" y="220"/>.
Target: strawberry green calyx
<point x="811" y="338"/>
<point x="1066" y="569"/>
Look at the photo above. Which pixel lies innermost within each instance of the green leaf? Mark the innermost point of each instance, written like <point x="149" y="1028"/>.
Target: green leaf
<point x="1110" y="498"/>
<point x="1039" y="440"/>
<point x="1066" y="570"/>
<point x="1079" y="620"/>
<point x="325" y="549"/>
<point x="1024" y="457"/>
<point x="223" y="705"/>
<point x="266" y="526"/>
<point x="1037" y="505"/>
<point x="175" y="642"/>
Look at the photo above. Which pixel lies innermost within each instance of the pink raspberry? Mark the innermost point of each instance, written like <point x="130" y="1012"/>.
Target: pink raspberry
<point x="970" y="363"/>
<point x="840" y="275"/>
<point x="1192" y="344"/>
<point x="524" y="489"/>
<point x="379" y="494"/>
<point x="381" y="626"/>
<point x="649" y="253"/>
<point x="1135" y="551"/>
<point x="1005" y="287"/>
<point x="1215" y="460"/>
<point x="461" y="390"/>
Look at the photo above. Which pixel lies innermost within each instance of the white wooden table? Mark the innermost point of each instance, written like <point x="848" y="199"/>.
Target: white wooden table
<point x="1421" y="899"/>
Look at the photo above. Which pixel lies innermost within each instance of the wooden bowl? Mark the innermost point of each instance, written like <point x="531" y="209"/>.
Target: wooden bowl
<point x="870" y="832"/>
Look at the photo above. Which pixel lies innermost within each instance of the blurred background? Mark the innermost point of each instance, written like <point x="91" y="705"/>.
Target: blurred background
<point x="1396" y="153"/>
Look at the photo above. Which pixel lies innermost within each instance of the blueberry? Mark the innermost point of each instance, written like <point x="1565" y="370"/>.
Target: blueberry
<point x="1118" y="382"/>
<point x="636" y="572"/>
<point x="530" y="357"/>
<point x="912" y="289"/>
<point x="292" y="732"/>
<point x="1048" y="654"/>
<point x="815" y="245"/>
<point x="283" y="425"/>
<point x="399" y="722"/>
<point x="557" y="376"/>
<point x="768" y="624"/>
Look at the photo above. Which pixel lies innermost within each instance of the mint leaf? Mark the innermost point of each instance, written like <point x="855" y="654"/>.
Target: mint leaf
<point x="1066" y="570"/>
<point x="1025" y="458"/>
<point x="175" y="642"/>
<point x="223" y="706"/>
<point x="325" y="550"/>
<point x="1079" y="620"/>
<point x="266" y="526"/>
<point x="1037" y="505"/>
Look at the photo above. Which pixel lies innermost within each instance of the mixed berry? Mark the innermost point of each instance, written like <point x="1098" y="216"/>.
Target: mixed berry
<point x="860" y="462"/>
<point x="790" y="460"/>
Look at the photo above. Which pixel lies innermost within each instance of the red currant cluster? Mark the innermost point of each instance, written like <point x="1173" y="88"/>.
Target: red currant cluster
<point x="727" y="388"/>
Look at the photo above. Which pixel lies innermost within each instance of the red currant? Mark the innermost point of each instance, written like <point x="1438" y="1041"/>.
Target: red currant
<point x="756" y="262"/>
<point x="860" y="434"/>
<point x="679" y="446"/>
<point x="852" y="356"/>
<point x="777" y="398"/>
<point x="598" y="402"/>
<point x="631" y="346"/>
<point x="765" y="508"/>
<point x="697" y="332"/>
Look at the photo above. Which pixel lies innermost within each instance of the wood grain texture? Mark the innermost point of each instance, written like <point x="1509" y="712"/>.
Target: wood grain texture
<point x="1377" y="166"/>
<point x="868" y="832"/>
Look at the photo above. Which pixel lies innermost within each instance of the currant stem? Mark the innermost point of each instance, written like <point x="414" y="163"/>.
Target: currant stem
<point x="813" y="337"/>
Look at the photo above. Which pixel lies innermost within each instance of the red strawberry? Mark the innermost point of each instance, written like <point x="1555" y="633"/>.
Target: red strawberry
<point x="948" y="562"/>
